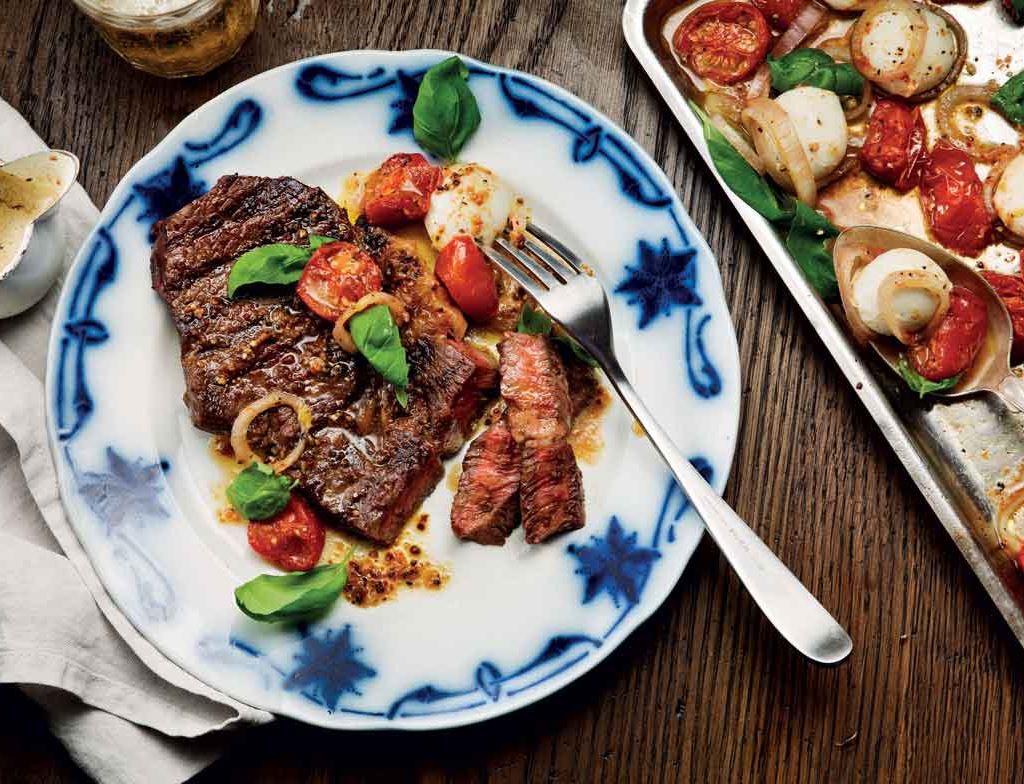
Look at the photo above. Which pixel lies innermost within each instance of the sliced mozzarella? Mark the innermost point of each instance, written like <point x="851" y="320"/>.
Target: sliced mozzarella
<point x="820" y="125"/>
<point x="887" y="56"/>
<point x="470" y="200"/>
<point x="1008" y="198"/>
<point x="913" y="307"/>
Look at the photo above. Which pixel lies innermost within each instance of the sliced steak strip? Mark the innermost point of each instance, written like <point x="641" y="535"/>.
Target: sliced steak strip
<point x="535" y="389"/>
<point x="551" y="490"/>
<point x="486" y="505"/>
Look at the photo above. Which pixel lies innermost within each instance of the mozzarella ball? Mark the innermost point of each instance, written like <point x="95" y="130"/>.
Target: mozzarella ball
<point x="470" y="200"/>
<point x="913" y="307"/>
<point x="1008" y="198"/>
<point x="885" y="57"/>
<point x="820" y="125"/>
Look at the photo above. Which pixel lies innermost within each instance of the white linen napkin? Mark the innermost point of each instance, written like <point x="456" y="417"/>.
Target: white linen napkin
<point x="124" y="712"/>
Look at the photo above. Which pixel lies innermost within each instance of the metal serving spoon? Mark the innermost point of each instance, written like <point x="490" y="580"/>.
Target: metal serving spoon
<point x="991" y="370"/>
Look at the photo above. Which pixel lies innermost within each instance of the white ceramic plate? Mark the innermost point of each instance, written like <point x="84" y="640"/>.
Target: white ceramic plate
<point x="514" y="623"/>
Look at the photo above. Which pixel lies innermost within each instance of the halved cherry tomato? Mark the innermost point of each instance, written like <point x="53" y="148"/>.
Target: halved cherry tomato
<point x="1010" y="289"/>
<point x="780" y="13"/>
<point x="468" y="277"/>
<point x="952" y="347"/>
<point x="337" y="275"/>
<point x="953" y="200"/>
<point x="291" y="540"/>
<point x="894" y="145"/>
<point x="399" y="191"/>
<point x="723" y="41"/>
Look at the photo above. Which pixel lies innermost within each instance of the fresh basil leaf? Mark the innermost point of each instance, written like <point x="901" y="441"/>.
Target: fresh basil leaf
<point x="272" y="598"/>
<point x="922" y="385"/>
<point x="279" y="264"/>
<point x="533" y="321"/>
<point x="806" y="244"/>
<point x="1009" y="99"/>
<point x="814" y="68"/>
<point x="258" y="493"/>
<point x="445" y="114"/>
<point x="377" y="337"/>
<point x="739" y="175"/>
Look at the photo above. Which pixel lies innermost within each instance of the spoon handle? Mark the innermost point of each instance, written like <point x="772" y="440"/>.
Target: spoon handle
<point x="1011" y="392"/>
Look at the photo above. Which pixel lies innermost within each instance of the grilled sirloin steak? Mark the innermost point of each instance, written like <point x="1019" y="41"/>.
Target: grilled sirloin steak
<point x="487" y="501"/>
<point x="233" y="352"/>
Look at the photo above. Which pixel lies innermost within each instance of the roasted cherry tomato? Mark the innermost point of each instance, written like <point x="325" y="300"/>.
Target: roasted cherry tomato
<point x="953" y="200"/>
<point x="723" y="41"/>
<point x="291" y="540"/>
<point x="780" y="13"/>
<point x="468" y="277"/>
<point x="399" y="191"/>
<point x="337" y="275"/>
<point x="953" y="346"/>
<point x="894" y="146"/>
<point x="1010" y="289"/>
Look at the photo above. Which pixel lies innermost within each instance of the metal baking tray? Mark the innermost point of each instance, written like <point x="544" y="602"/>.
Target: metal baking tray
<point x="967" y="457"/>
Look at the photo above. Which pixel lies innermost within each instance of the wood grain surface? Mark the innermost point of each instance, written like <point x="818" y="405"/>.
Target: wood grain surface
<point x="704" y="691"/>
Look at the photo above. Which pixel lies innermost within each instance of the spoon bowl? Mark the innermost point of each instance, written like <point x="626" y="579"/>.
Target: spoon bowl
<point x="990" y="371"/>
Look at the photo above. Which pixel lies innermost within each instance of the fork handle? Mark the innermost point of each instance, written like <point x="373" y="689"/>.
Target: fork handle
<point x="790" y="607"/>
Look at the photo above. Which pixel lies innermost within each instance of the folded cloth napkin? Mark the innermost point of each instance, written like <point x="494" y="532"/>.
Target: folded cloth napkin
<point x="124" y="712"/>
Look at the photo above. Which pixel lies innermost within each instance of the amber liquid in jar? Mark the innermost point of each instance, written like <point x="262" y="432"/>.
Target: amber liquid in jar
<point x="173" y="38"/>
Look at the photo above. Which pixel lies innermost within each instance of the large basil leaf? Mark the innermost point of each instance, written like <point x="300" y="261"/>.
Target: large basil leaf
<point x="276" y="265"/>
<point x="1009" y="99"/>
<point x="445" y="114"/>
<point x="258" y="493"/>
<point x="814" y="68"/>
<point x="377" y="337"/>
<point x="808" y="233"/>
<point x="922" y="385"/>
<point x="292" y="597"/>
<point x="739" y="175"/>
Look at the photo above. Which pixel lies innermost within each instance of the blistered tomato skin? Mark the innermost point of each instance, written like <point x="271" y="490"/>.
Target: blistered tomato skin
<point x="464" y="271"/>
<point x="953" y="346"/>
<point x="953" y="200"/>
<point x="1010" y="289"/>
<point x="292" y="540"/>
<point x="399" y="191"/>
<point x="895" y="144"/>
<point x="723" y="41"/>
<point x="337" y="276"/>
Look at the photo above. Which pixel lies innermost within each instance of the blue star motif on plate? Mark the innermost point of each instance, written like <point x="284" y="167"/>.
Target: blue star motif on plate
<point x="129" y="490"/>
<point x="614" y="565"/>
<point x="168" y="191"/>
<point x="663" y="279"/>
<point x="409" y="87"/>
<point x="327" y="667"/>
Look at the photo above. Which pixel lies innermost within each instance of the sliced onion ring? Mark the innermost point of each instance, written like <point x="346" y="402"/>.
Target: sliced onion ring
<point x="915" y="44"/>
<point x="958" y="64"/>
<point x="847" y="267"/>
<point x="837" y="48"/>
<point x="776" y="141"/>
<point x="946" y="116"/>
<point x="240" y="427"/>
<point x="341" y="333"/>
<point x="810" y="19"/>
<point x="916" y="279"/>
<point x="858" y="110"/>
<point x="738" y="141"/>
<point x="995" y="174"/>
<point x="724" y="103"/>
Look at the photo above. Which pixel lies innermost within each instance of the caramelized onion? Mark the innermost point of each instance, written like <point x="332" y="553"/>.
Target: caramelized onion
<point x="837" y="48"/>
<point x="912" y="279"/>
<point x="738" y="141"/>
<point x="725" y="104"/>
<point x="810" y="19"/>
<point x="856" y="111"/>
<point x="946" y="116"/>
<point x="849" y="163"/>
<point x="341" y="333"/>
<point x="779" y="148"/>
<point x="846" y="272"/>
<point x="760" y="84"/>
<point x="240" y="427"/>
<point x="958" y="64"/>
<point x="1003" y="232"/>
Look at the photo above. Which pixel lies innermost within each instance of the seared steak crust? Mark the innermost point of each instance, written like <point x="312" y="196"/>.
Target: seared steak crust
<point x="487" y="502"/>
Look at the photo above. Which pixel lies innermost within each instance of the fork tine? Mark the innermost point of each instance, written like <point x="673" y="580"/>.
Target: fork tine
<point x="561" y="266"/>
<point x="509" y="265"/>
<point x="570" y="258"/>
<point x="534" y="266"/>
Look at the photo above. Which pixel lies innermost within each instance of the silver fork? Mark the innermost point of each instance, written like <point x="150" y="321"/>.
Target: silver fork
<point x="561" y="284"/>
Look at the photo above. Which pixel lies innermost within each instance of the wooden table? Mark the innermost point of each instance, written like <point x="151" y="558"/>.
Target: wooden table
<point x="704" y="691"/>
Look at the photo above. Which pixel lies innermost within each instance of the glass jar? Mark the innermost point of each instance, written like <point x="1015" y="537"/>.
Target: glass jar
<point x="173" y="38"/>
